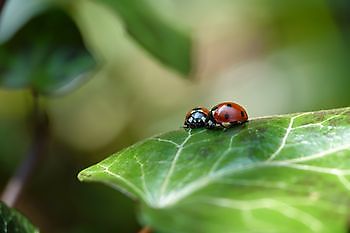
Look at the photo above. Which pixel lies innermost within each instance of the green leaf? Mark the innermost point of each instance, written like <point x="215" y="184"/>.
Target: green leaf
<point x="11" y="221"/>
<point x="47" y="61"/>
<point x="288" y="173"/>
<point x="16" y="13"/>
<point x="162" y="40"/>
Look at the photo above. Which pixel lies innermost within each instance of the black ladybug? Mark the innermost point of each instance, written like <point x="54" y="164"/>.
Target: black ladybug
<point x="196" y="118"/>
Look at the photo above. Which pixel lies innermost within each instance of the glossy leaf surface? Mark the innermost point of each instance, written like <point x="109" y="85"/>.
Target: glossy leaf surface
<point x="288" y="173"/>
<point x="11" y="221"/>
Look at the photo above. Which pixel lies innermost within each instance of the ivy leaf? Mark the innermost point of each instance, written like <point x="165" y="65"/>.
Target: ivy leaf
<point x="50" y="61"/>
<point x="11" y="221"/>
<point x="288" y="173"/>
<point x="162" y="40"/>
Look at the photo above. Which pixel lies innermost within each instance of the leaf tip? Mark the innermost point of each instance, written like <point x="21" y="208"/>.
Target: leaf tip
<point x="84" y="175"/>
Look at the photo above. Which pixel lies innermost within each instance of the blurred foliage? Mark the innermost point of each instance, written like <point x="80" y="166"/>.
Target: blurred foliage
<point x="145" y="26"/>
<point x="17" y="13"/>
<point x="270" y="56"/>
<point x="68" y="206"/>
<point x="45" y="61"/>
<point x="14" y="222"/>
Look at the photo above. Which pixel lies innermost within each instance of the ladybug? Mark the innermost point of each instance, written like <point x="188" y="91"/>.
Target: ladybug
<point x="196" y="118"/>
<point x="226" y="115"/>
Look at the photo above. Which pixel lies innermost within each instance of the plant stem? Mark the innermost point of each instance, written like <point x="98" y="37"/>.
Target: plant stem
<point x="37" y="149"/>
<point x="2" y="3"/>
<point x="145" y="229"/>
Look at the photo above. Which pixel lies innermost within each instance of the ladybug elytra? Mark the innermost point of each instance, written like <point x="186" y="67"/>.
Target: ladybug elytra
<point x="226" y="115"/>
<point x="196" y="118"/>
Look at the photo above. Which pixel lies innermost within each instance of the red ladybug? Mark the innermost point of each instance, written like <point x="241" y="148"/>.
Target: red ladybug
<point x="196" y="118"/>
<point x="226" y="115"/>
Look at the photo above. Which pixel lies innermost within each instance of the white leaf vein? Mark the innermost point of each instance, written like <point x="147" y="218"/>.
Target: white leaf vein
<point x="173" y="163"/>
<point x="289" y="211"/>
<point x="285" y="137"/>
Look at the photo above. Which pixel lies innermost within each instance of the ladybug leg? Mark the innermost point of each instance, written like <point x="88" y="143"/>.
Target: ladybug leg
<point x="236" y="123"/>
<point x="226" y="124"/>
<point x="209" y="124"/>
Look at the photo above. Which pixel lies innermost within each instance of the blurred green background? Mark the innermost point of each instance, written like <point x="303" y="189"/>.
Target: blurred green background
<point x="272" y="57"/>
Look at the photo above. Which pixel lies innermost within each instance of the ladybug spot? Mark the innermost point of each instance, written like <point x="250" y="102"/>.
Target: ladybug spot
<point x="242" y="113"/>
<point x="229" y="105"/>
<point x="227" y="116"/>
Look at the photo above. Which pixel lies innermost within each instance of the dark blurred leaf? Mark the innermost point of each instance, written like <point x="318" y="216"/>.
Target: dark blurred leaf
<point x="16" y="13"/>
<point x="11" y="221"/>
<point x="162" y="40"/>
<point x="46" y="55"/>
<point x="287" y="173"/>
<point x="2" y="2"/>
